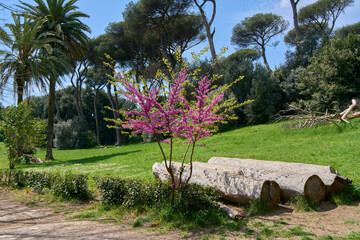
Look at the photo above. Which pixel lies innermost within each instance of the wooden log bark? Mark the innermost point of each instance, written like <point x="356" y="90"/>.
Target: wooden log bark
<point x="231" y="212"/>
<point x="232" y="186"/>
<point x="330" y="177"/>
<point x="292" y="184"/>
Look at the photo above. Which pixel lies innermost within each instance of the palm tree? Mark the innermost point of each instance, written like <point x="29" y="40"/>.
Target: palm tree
<point x="62" y="19"/>
<point x="23" y="56"/>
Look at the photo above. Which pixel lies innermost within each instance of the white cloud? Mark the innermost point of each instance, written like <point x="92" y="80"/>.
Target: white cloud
<point x="285" y="3"/>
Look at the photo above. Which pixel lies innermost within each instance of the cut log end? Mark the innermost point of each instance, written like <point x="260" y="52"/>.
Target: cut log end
<point x="270" y="194"/>
<point x="314" y="189"/>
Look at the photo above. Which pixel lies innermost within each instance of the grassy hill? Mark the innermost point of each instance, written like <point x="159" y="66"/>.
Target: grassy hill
<point x="324" y="145"/>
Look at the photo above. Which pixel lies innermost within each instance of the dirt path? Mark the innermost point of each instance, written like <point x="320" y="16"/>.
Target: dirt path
<point x="21" y="220"/>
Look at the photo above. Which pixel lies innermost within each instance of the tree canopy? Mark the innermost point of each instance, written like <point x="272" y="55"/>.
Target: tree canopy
<point x="257" y="31"/>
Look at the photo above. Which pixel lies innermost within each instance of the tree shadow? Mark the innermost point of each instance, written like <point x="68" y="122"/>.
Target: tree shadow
<point x="86" y="160"/>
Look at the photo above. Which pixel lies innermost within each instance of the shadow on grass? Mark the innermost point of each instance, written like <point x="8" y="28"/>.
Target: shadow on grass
<point x="87" y="160"/>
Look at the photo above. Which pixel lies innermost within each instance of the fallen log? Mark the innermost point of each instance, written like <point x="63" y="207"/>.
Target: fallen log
<point x="231" y="212"/>
<point x="305" y="118"/>
<point x="292" y="184"/>
<point x="232" y="186"/>
<point x="329" y="176"/>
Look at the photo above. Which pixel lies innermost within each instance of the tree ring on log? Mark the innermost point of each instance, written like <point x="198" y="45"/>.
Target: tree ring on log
<point x="270" y="193"/>
<point x="314" y="189"/>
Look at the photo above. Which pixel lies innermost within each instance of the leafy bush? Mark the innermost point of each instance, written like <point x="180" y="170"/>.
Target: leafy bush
<point x="40" y="181"/>
<point x="71" y="186"/>
<point x="194" y="198"/>
<point x="113" y="190"/>
<point x="73" y="134"/>
<point x="190" y="199"/>
<point x="23" y="133"/>
<point x="132" y="193"/>
<point x="15" y="179"/>
<point x="67" y="186"/>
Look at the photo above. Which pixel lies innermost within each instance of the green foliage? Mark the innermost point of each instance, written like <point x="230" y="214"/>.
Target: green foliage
<point x="298" y="231"/>
<point x="157" y="27"/>
<point x="23" y="133"/>
<point x="73" y="134"/>
<point x="347" y="196"/>
<point x="258" y="30"/>
<point x="265" y="93"/>
<point x="71" y="186"/>
<point x="66" y="186"/>
<point x="348" y="29"/>
<point x="40" y="182"/>
<point x="301" y="204"/>
<point x="23" y="57"/>
<point x="332" y="79"/>
<point x="258" y="208"/>
<point x="322" y="14"/>
<point x="193" y="198"/>
<point x="132" y="193"/>
<point x="190" y="200"/>
<point x="243" y="55"/>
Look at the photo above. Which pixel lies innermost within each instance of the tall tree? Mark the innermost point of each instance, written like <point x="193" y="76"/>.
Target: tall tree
<point x="166" y="20"/>
<point x="257" y="31"/>
<point x="322" y="14"/>
<point x="21" y="58"/>
<point x="332" y="78"/>
<point x="346" y="30"/>
<point x="294" y="4"/>
<point x="62" y="19"/>
<point x="78" y="76"/>
<point x="209" y="33"/>
<point x="97" y="79"/>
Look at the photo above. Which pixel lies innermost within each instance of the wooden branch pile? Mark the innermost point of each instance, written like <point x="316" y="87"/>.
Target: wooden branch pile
<point x="243" y="180"/>
<point x="304" y="118"/>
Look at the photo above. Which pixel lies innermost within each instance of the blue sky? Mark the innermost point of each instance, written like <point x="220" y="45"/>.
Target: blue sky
<point x="229" y="13"/>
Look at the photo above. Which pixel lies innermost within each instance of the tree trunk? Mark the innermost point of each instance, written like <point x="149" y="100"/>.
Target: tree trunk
<point x="11" y="156"/>
<point x="209" y="34"/>
<point x="329" y="176"/>
<point x="264" y="57"/>
<point x="295" y="17"/>
<point x="117" y="115"/>
<point x="232" y="186"/>
<point x="58" y="117"/>
<point x="50" y="127"/>
<point x="210" y="37"/>
<point x="20" y="92"/>
<point x="96" y="119"/>
<point x="81" y="109"/>
<point x="114" y="107"/>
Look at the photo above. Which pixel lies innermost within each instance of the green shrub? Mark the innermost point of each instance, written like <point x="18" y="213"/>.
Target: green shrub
<point x="40" y="181"/>
<point x="23" y="133"/>
<point x="67" y="186"/>
<point x="73" y="134"/>
<point x="194" y="198"/>
<point x="14" y="179"/>
<point x="113" y="190"/>
<point x="132" y="193"/>
<point x="136" y="193"/>
<point x="71" y="186"/>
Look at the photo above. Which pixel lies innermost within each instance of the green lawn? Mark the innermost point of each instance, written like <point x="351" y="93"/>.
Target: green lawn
<point x="325" y="145"/>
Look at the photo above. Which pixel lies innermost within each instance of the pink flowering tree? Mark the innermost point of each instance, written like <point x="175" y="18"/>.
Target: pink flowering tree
<point x="165" y="111"/>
